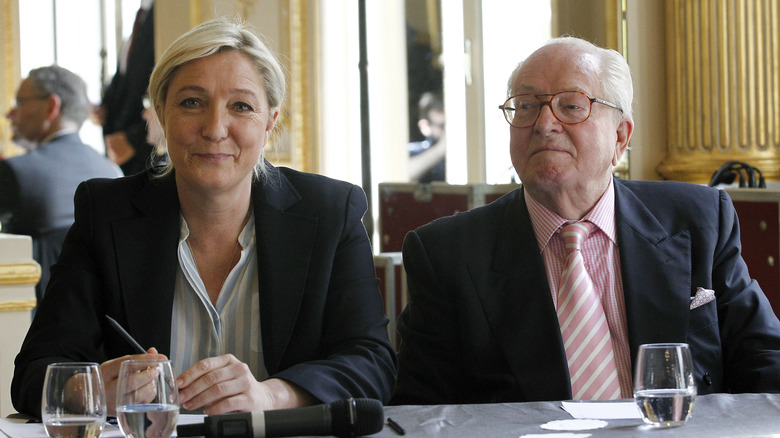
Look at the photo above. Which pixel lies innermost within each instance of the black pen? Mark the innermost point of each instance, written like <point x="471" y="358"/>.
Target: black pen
<point x="125" y="335"/>
<point x="395" y="426"/>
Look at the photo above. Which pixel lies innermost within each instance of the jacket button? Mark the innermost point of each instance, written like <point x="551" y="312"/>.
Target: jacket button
<point x="707" y="379"/>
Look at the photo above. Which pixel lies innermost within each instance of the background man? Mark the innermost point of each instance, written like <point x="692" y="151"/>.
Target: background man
<point x="124" y="128"/>
<point x="490" y="317"/>
<point x="427" y="157"/>
<point x="36" y="189"/>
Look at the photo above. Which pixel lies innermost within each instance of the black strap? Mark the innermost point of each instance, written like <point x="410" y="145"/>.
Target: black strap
<point x="745" y="174"/>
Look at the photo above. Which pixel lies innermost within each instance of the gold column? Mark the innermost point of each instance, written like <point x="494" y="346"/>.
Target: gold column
<point x="723" y="79"/>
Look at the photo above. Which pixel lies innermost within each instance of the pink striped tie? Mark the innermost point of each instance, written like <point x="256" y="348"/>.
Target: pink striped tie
<point x="586" y="337"/>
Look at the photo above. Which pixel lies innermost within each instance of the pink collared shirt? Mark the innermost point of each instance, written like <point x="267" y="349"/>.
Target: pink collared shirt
<point x="602" y="261"/>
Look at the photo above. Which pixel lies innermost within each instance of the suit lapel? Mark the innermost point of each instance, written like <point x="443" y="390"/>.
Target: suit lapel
<point x="285" y="241"/>
<point x="656" y="270"/>
<point x="517" y="302"/>
<point x="147" y="266"/>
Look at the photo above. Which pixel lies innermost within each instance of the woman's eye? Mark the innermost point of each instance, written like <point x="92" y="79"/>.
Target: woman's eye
<point x="189" y="102"/>
<point x="243" y="107"/>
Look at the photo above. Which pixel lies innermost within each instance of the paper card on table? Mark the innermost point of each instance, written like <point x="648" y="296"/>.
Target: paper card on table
<point x="603" y="410"/>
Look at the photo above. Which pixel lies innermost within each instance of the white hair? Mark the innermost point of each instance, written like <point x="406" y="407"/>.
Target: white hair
<point x="615" y="75"/>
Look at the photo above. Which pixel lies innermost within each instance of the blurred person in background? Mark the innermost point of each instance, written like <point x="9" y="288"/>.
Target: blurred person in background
<point x="427" y="157"/>
<point x="36" y="188"/>
<point x="124" y="129"/>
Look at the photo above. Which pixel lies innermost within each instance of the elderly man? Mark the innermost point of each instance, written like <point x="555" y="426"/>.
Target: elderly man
<point x="491" y="315"/>
<point x="36" y="189"/>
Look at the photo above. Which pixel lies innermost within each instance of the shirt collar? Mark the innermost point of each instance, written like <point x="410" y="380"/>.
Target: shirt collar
<point x="546" y="222"/>
<point x="57" y="134"/>
<point x="244" y="237"/>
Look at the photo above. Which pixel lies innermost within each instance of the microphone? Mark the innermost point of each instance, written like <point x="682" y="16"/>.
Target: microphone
<point x="343" y="418"/>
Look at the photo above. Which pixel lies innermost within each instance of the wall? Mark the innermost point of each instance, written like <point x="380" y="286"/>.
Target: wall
<point x="646" y="55"/>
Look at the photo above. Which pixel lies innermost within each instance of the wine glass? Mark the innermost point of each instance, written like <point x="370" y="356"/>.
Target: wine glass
<point x="74" y="400"/>
<point x="663" y="385"/>
<point x="147" y="400"/>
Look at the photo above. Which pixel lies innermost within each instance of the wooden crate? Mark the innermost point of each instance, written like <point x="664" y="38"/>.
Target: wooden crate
<point x="406" y="206"/>
<point x="759" y="224"/>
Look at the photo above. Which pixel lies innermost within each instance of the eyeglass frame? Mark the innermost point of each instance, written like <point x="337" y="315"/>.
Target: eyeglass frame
<point x="19" y="101"/>
<point x="592" y="100"/>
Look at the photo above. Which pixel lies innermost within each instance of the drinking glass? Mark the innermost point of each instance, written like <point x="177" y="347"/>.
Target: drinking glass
<point x="147" y="400"/>
<point x="663" y="385"/>
<point x="74" y="400"/>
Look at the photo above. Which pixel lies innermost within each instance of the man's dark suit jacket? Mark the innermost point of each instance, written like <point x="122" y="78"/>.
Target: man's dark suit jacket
<point x="321" y="314"/>
<point x="36" y="194"/>
<point x="481" y="326"/>
<point x="123" y="98"/>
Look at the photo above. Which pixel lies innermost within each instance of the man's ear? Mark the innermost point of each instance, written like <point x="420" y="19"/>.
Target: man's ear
<point x="624" y="130"/>
<point x="53" y="107"/>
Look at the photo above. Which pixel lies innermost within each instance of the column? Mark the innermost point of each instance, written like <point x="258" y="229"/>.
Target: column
<point x="723" y="87"/>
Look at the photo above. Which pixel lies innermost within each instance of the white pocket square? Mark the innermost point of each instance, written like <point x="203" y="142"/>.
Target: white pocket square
<point x="703" y="296"/>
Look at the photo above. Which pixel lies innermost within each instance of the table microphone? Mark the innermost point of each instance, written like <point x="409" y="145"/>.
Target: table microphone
<point x="343" y="418"/>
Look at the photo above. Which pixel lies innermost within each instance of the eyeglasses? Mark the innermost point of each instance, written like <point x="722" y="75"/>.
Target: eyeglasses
<point x="20" y="100"/>
<point x="569" y="107"/>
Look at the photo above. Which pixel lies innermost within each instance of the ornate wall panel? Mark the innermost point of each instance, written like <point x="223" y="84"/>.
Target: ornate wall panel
<point x="9" y="69"/>
<point x="723" y="93"/>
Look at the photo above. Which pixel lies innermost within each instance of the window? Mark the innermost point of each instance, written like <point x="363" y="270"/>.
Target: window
<point x="83" y="39"/>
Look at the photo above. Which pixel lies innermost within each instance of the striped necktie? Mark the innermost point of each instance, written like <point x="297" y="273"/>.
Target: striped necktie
<point x="584" y="327"/>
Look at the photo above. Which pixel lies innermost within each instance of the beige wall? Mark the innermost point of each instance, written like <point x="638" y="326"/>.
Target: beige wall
<point x="645" y="52"/>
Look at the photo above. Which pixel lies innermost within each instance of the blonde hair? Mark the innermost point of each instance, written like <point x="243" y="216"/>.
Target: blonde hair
<point x="215" y="36"/>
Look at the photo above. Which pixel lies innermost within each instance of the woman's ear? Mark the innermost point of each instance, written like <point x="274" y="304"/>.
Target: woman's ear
<point x="272" y="120"/>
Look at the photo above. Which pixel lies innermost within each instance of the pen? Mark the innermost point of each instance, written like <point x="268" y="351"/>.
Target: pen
<point x="395" y="426"/>
<point x="125" y="335"/>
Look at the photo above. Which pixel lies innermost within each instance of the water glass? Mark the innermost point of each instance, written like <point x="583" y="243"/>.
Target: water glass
<point x="147" y="400"/>
<point x="73" y="404"/>
<point x="663" y="385"/>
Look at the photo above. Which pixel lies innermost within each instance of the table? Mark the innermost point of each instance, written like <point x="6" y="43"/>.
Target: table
<point x="714" y="415"/>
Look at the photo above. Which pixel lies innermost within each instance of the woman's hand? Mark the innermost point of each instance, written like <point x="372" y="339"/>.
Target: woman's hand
<point x="110" y="371"/>
<point x="224" y="384"/>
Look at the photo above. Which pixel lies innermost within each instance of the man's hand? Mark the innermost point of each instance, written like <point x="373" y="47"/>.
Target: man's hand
<point x="224" y="384"/>
<point x="118" y="148"/>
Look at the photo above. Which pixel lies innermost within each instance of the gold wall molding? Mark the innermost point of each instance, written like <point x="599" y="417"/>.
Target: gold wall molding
<point x="302" y="31"/>
<point x="723" y="94"/>
<point x="20" y="273"/>
<point x="17" y="305"/>
<point x="9" y="70"/>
